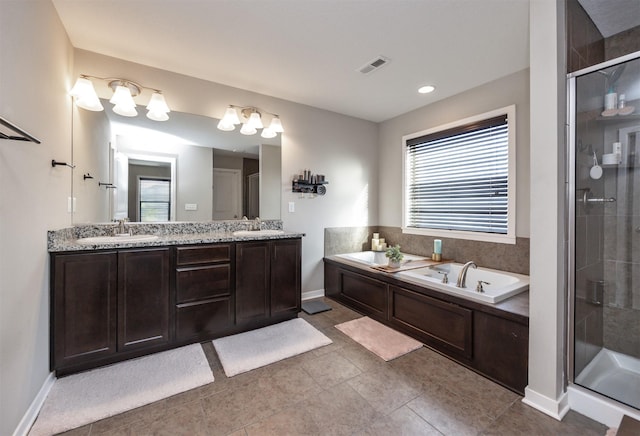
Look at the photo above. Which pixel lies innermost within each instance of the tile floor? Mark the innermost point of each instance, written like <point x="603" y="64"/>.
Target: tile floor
<point x="343" y="389"/>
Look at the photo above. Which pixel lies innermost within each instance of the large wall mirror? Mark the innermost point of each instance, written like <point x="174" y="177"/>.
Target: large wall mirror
<point x="183" y="169"/>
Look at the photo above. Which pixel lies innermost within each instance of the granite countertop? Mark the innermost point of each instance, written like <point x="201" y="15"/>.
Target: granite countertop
<point x="66" y="240"/>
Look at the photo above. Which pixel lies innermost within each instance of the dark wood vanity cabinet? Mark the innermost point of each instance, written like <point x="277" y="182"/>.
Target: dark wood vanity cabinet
<point x="143" y="298"/>
<point x="111" y="305"/>
<point x="267" y="280"/>
<point x="489" y="340"/>
<point x="204" y="291"/>
<point x="108" y="303"/>
<point x="83" y="308"/>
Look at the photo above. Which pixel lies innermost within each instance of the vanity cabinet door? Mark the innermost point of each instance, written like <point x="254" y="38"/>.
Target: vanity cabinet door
<point x="285" y="276"/>
<point x="143" y="298"/>
<point x="267" y="280"/>
<point x="252" y="281"/>
<point x="83" y="307"/>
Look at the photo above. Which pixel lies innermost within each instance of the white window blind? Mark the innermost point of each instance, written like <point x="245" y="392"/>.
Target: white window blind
<point x="155" y="199"/>
<point x="457" y="179"/>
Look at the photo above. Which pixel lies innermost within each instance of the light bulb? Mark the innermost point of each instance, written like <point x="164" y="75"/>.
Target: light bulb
<point x="247" y="129"/>
<point x="268" y="133"/>
<point x="276" y="125"/>
<point x="157" y="103"/>
<point x="255" y="121"/>
<point x="227" y="127"/>
<point x="122" y="97"/>
<point x="231" y="116"/>
<point x="85" y="95"/>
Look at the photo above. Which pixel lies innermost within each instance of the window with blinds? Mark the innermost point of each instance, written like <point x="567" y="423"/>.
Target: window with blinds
<point x="155" y="199"/>
<point x="457" y="178"/>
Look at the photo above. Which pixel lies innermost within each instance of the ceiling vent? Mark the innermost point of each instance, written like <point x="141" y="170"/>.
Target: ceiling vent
<point x="374" y="64"/>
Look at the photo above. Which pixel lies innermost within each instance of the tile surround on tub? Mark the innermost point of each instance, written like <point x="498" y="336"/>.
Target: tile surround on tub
<point x="505" y="257"/>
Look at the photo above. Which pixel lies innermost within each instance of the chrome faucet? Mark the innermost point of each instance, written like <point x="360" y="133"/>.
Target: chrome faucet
<point x="462" y="277"/>
<point x="258" y="223"/>
<point x="122" y="229"/>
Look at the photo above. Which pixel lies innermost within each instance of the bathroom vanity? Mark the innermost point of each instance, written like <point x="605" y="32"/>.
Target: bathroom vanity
<point x="491" y="339"/>
<point x="116" y="301"/>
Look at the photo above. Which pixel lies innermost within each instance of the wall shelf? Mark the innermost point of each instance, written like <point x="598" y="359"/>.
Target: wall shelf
<point x="305" y="187"/>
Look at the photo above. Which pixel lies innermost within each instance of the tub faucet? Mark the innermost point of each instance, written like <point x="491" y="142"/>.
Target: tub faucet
<point x="462" y="277"/>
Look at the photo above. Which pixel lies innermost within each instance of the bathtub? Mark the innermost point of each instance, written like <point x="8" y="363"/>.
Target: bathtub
<point x="501" y="284"/>
<point x="615" y="375"/>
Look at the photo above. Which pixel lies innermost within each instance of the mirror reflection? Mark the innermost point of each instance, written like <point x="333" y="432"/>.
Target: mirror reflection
<point x="183" y="169"/>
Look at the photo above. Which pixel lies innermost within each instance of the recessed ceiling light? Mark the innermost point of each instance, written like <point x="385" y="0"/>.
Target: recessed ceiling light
<point x="426" y="89"/>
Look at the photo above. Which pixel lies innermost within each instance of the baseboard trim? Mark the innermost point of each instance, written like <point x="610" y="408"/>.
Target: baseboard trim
<point x="554" y="408"/>
<point x="34" y="409"/>
<point x="308" y="295"/>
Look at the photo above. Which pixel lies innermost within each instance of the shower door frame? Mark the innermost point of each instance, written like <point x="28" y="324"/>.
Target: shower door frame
<point x="570" y="183"/>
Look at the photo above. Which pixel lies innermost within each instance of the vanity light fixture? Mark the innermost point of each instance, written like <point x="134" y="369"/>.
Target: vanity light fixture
<point x="251" y="121"/>
<point x="123" y="92"/>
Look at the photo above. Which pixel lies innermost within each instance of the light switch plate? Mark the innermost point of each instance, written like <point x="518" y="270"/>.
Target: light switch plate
<point x="71" y="204"/>
<point x="190" y="206"/>
<point x="292" y="207"/>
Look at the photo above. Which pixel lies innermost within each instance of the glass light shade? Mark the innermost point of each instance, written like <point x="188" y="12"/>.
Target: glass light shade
<point x="157" y="103"/>
<point x="125" y="111"/>
<point x="157" y="116"/>
<point x="255" y="121"/>
<point x="248" y="129"/>
<point x="122" y="97"/>
<point x="276" y="125"/>
<point x="268" y="133"/>
<point x="230" y="117"/>
<point x="85" y="95"/>
<point x="227" y="127"/>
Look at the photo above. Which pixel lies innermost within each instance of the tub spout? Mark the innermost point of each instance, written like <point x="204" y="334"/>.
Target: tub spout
<point x="462" y="277"/>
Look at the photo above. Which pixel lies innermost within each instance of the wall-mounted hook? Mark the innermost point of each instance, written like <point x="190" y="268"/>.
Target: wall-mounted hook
<point x="55" y="163"/>
<point x="105" y="184"/>
<point x="87" y="176"/>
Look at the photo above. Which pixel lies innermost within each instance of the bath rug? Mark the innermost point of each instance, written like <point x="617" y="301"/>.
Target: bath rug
<point x="313" y="307"/>
<point x="378" y="338"/>
<point x="83" y="398"/>
<point x="250" y="350"/>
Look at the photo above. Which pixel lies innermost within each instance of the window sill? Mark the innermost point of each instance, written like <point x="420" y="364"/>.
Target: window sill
<point x="454" y="234"/>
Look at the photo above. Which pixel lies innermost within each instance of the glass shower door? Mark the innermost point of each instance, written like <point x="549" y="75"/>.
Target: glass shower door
<point x="605" y="288"/>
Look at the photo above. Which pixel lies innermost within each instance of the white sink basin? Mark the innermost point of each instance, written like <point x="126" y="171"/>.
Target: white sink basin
<point x="258" y="232"/>
<point x="116" y="239"/>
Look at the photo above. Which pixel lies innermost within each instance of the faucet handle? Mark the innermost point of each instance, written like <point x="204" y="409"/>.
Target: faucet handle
<point x="479" y="287"/>
<point x="445" y="276"/>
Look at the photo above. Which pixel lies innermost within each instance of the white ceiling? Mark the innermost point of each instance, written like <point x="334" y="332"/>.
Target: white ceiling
<point x="309" y="51"/>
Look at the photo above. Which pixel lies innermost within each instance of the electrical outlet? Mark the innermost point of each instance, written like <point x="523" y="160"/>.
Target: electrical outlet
<point x="71" y="204"/>
<point x="190" y="206"/>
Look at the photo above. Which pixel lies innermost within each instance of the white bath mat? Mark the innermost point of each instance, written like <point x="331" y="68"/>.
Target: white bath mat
<point x="80" y="399"/>
<point x="246" y="351"/>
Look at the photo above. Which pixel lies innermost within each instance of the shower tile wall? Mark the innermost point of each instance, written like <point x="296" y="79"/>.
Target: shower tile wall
<point x="622" y="247"/>
<point x="589" y="241"/>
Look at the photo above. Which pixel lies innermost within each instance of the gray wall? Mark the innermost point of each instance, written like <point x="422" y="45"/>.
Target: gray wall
<point x="36" y="75"/>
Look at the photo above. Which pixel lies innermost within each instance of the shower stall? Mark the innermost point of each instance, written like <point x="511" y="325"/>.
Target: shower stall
<point x="604" y="228"/>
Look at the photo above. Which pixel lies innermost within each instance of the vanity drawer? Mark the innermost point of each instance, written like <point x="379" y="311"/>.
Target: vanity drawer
<point x="203" y="254"/>
<point x="203" y="319"/>
<point x="200" y="282"/>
